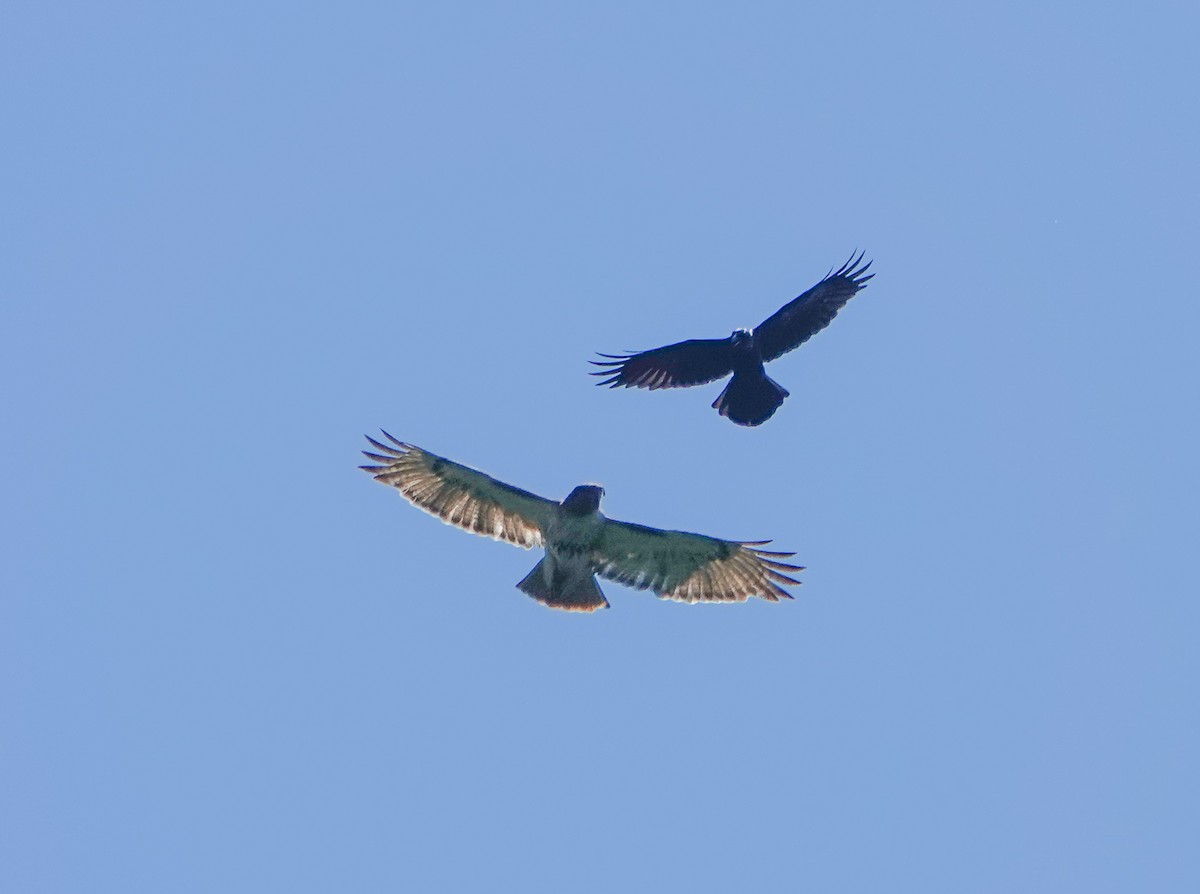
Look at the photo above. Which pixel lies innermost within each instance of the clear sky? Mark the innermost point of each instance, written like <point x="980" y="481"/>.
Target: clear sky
<point x="235" y="237"/>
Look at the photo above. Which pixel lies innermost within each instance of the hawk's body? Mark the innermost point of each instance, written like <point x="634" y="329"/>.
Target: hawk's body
<point x="579" y="541"/>
<point x="565" y="577"/>
<point x="751" y="397"/>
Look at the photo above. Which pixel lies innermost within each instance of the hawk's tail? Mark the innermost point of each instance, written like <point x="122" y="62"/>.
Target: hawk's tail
<point x="574" y="593"/>
<point x="750" y="398"/>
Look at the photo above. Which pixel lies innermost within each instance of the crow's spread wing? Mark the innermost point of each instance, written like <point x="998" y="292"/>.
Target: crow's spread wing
<point x="461" y="496"/>
<point x="797" y="321"/>
<point x="690" y="567"/>
<point x="691" y="362"/>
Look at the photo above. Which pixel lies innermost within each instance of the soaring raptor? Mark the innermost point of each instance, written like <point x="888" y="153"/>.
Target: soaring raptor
<point x="751" y="397"/>
<point x="579" y="541"/>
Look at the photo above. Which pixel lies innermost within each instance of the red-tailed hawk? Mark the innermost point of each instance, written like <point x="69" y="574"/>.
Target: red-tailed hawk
<point x="579" y="541"/>
<point x="751" y="397"/>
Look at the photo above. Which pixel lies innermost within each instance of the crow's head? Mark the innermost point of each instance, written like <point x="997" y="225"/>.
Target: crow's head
<point x="583" y="500"/>
<point x="741" y="339"/>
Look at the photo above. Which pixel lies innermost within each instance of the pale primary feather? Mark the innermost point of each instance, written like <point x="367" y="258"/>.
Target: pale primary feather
<point x="461" y="496"/>
<point x="690" y="567"/>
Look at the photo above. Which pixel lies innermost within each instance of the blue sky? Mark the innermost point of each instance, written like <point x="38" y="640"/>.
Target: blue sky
<point x="235" y="238"/>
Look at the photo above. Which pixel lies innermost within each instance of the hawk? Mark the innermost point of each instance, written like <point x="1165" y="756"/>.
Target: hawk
<point x="579" y="541"/>
<point x="751" y="397"/>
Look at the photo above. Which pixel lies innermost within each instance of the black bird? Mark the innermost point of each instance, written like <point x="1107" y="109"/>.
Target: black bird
<point x="579" y="541"/>
<point x="751" y="397"/>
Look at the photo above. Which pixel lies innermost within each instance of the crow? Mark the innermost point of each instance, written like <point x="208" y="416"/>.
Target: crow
<point x="751" y="397"/>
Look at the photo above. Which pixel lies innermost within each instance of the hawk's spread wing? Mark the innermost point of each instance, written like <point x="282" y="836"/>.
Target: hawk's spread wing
<point x="690" y="567"/>
<point x="798" y="321"/>
<point x="691" y="362"/>
<point x="461" y="496"/>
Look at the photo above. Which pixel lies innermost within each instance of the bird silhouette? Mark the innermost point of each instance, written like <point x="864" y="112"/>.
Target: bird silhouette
<point x="751" y="397"/>
<point x="579" y="541"/>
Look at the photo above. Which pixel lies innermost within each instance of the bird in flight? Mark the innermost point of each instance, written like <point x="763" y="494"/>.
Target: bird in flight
<point x="579" y="541"/>
<point x="751" y="397"/>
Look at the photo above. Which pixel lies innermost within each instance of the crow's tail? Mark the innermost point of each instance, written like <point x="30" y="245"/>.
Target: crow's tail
<point x="750" y="398"/>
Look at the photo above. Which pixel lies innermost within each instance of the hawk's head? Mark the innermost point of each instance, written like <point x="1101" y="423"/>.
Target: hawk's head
<point x="583" y="500"/>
